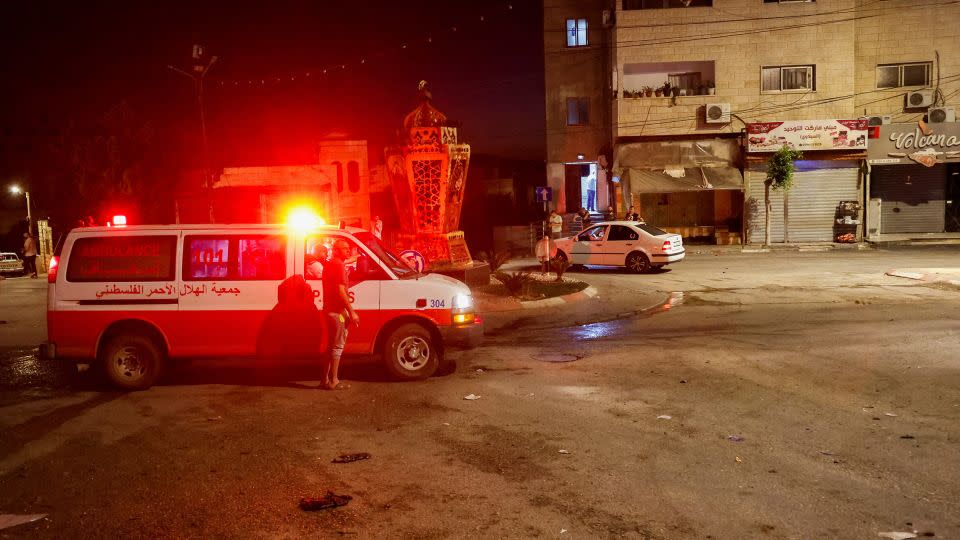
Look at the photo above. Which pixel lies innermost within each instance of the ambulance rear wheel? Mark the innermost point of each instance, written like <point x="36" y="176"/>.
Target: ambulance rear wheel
<point x="131" y="362"/>
<point x="411" y="353"/>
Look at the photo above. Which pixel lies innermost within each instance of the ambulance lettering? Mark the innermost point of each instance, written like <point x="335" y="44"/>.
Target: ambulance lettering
<point x="437" y="303"/>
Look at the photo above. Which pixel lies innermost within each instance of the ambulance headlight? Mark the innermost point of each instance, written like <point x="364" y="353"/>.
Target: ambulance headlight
<point x="462" y="302"/>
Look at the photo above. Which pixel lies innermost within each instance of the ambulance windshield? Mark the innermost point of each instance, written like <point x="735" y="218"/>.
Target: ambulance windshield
<point x="389" y="258"/>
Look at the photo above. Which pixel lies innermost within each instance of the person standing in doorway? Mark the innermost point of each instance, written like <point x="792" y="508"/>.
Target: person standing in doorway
<point x="378" y="227"/>
<point x="591" y="185"/>
<point x="555" y="222"/>
<point x="338" y="310"/>
<point x="29" y="254"/>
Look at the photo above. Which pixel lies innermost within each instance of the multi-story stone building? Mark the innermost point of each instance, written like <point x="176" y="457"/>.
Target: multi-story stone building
<point x="656" y="96"/>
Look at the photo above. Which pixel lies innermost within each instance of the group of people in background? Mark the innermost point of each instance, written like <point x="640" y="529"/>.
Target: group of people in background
<point x="583" y="219"/>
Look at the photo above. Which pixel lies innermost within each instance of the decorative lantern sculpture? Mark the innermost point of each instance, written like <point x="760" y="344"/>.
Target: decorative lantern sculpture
<point x="428" y="174"/>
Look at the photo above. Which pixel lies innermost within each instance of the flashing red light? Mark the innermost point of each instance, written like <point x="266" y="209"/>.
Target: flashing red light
<point x="119" y="220"/>
<point x="52" y="271"/>
<point x="666" y="245"/>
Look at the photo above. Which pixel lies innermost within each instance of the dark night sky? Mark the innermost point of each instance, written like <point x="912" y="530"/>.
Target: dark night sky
<point x="63" y="60"/>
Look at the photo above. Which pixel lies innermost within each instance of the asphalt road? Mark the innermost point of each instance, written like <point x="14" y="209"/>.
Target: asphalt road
<point x="809" y="396"/>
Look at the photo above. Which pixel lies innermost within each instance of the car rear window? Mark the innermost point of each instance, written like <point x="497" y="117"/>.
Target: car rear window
<point x="650" y="229"/>
<point x="123" y="258"/>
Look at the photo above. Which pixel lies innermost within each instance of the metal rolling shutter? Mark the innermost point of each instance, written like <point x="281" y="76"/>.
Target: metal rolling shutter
<point x="913" y="198"/>
<point x="813" y="204"/>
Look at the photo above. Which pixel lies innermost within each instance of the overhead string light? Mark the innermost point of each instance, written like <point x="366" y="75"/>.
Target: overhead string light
<point x="316" y="72"/>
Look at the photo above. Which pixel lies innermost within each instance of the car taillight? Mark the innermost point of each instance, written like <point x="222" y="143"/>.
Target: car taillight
<point x="52" y="271"/>
<point x="666" y="245"/>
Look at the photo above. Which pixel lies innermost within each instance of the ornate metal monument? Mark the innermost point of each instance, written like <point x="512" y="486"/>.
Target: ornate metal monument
<point x="428" y="174"/>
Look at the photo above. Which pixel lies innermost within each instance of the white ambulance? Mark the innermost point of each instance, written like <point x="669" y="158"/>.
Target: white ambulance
<point x="132" y="298"/>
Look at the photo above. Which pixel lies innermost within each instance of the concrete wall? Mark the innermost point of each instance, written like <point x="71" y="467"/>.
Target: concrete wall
<point x="738" y="51"/>
<point x="905" y="32"/>
<point x="575" y="72"/>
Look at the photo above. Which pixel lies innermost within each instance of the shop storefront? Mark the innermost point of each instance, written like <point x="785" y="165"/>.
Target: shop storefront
<point x="692" y="188"/>
<point x="914" y="180"/>
<point x="825" y="202"/>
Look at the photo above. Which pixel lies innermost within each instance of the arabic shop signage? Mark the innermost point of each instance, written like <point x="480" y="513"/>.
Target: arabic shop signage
<point x="907" y="144"/>
<point x="806" y="135"/>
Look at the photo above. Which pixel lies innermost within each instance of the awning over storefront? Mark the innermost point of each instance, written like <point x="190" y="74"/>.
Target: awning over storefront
<point x="685" y="179"/>
<point x="676" y="166"/>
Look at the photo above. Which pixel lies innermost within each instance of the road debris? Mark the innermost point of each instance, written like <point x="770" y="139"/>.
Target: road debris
<point x="350" y="458"/>
<point x="664" y="417"/>
<point x="563" y="531"/>
<point x="739" y="460"/>
<point x="735" y="438"/>
<point x="562" y="451"/>
<point x="12" y="520"/>
<point x="214" y="418"/>
<point x="907" y="437"/>
<point x="890" y="414"/>
<point x="827" y="453"/>
<point x="471" y="397"/>
<point x="330" y="500"/>
<point x="897" y="535"/>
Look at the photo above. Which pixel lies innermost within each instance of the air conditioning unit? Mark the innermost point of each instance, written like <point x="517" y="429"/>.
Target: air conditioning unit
<point x="939" y="115"/>
<point x="918" y="99"/>
<point x="717" y="113"/>
<point x="878" y="120"/>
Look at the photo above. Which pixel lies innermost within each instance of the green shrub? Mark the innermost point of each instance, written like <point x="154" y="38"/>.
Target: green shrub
<point x="495" y="259"/>
<point x="515" y="282"/>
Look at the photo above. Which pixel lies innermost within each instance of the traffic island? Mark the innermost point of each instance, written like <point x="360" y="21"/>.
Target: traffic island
<point x="524" y="290"/>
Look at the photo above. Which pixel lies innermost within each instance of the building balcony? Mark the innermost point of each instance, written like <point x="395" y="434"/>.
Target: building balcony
<point x="667" y="79"/>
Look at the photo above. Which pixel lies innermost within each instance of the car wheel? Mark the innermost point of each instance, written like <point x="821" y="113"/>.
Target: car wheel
<point x="410" y="353"/>
<point x="131" y="362"/>
<point x="637" y="263"/>
<point x="561" y="256"/>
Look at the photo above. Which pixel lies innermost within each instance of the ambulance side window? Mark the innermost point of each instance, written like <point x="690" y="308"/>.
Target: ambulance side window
<point x="360" y="267"/>
<point x="235" y="258"/>
<point x="122" y="258"/>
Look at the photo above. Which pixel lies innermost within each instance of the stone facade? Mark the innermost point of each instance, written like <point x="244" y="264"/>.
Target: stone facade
<point x="844" y="39"/>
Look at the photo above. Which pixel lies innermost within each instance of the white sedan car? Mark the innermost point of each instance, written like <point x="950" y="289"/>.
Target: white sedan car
<point x="636" y="245"/>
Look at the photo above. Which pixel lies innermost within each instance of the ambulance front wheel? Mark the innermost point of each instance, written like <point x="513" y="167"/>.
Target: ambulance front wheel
<point x="411" y="353"/>
<point x="131" y="362"/>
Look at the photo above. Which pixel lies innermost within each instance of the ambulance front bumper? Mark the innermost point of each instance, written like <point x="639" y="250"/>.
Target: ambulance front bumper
<point x="466" y="336"/>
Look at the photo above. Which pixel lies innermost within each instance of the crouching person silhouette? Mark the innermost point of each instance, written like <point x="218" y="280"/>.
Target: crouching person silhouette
<point x="294" y="328"/>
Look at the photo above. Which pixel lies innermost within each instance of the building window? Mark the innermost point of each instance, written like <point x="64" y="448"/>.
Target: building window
<point x="905" y="74"/>
<point x="788" y="79"/>
<point x="578" y="111"/>
<point x="577" y="33"/>
<point x="339" y="167"/>
<point x="353" y="176"/>
<point x="663" y="4"/>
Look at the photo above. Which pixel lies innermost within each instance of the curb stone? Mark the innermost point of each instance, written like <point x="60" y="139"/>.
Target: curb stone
<point x="929" y="276"/>
<point x="589" y="292"/>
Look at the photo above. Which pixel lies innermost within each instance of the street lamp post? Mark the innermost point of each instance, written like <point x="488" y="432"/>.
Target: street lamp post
<point x="16" y="191"/>
<point x="199" y="74"/>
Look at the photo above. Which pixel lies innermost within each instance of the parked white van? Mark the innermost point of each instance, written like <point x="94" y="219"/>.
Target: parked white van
<point x="131" y="298"/>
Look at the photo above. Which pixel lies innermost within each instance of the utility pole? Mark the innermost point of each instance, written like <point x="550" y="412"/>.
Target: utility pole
<point x="200" y="69"/>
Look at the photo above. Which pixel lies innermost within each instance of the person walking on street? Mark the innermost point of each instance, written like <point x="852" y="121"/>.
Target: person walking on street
<point x="338" y="310"/>
<point x="378" y="227"/>
<point x="556" y="224"/>
<point x="29" y="254"/>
